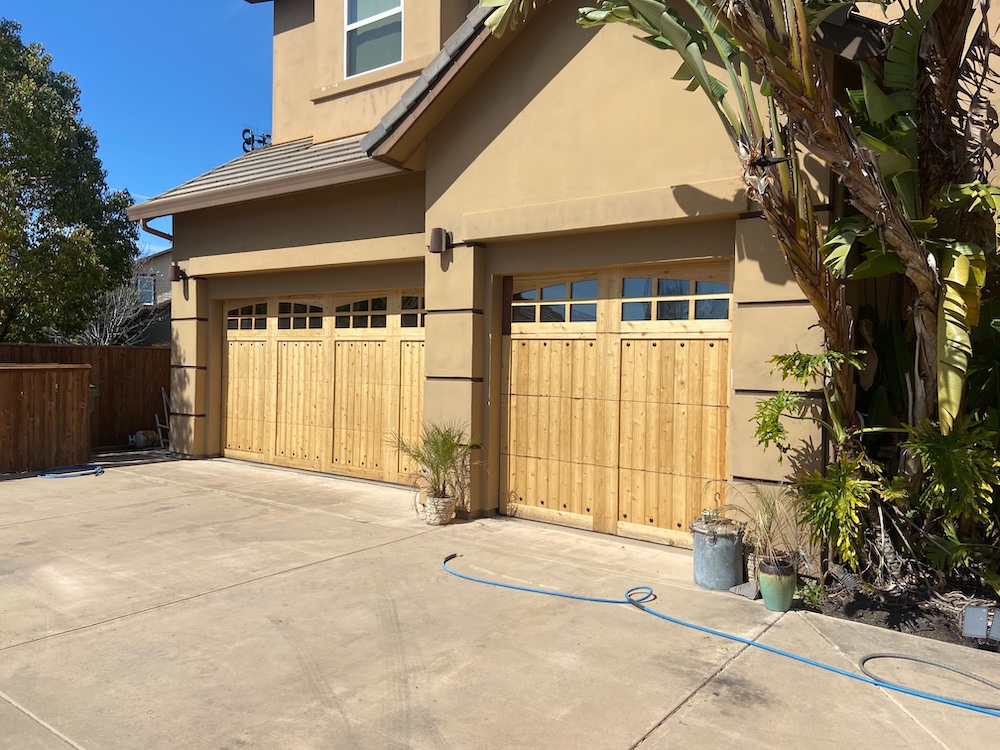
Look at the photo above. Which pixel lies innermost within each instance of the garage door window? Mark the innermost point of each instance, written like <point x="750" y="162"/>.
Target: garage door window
<point x="247" y="317"/>
<point x="299" y="316"/>
<point x="673" y="299"/>
<point x="365" y="313"/>
<point x="413" y="314"/>
<point x="552" y="303"/>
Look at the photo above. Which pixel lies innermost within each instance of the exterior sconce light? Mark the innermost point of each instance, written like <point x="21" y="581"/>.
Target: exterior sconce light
<point x="177" y="273"/>
<point x="441" y="240"/>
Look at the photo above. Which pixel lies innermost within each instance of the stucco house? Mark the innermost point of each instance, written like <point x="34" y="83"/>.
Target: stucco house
<point x="600" y="315"/>
<point x="154" y="288"/>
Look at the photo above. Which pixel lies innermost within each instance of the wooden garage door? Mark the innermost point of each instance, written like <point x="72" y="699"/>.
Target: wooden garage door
<point x="323" y="382"/>
<point x="617" y="405"/>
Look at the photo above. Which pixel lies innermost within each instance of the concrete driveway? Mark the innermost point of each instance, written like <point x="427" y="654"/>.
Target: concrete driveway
<point x="218" y="604"/>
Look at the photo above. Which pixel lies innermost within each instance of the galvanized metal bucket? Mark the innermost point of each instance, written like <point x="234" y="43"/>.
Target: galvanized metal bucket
<point x="718" y="551"/>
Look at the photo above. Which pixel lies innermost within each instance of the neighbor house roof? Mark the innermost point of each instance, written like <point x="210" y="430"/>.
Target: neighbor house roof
<point x="266" y="172"/>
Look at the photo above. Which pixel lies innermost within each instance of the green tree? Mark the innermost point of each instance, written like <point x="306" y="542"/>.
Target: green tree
<point x="65" y="238"/>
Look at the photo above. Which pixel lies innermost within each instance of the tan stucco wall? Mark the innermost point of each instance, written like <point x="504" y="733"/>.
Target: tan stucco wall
<point x="573" y="128"/>
<point x="312" y="95"/>
<point x="294" y="70"/>
<point x="376" y="221"/>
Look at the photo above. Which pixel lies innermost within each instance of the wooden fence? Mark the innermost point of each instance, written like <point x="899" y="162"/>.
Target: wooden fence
<point x="44" y="416"/>
<point x="128" y="378"/>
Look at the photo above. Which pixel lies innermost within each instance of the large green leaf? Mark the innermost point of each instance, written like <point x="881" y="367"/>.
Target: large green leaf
<point x="904" y="47"/>
<point x="890" y="160"/>
<point x="840" y="240"/>
<point x="879" y="105"/>
<point x="878" y="263"/>
<point x="963" y="273"/>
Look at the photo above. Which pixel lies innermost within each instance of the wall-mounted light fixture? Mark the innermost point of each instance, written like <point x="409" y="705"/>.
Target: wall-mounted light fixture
<point x="441" y="240"/>
<point x="177" y="273"/>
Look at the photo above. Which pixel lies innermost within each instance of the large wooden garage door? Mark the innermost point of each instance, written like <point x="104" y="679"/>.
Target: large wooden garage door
<point x="323" y="382"/>
<point x="617" y="405"/>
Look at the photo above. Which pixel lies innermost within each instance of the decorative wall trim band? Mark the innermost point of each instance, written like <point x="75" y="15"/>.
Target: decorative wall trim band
<point x="768" y="394"/>
<point x="473" y="310"/>
<point x="773" y="303"/>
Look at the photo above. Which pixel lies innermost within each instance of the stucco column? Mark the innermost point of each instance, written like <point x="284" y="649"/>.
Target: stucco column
<point x="189" y="368"/>
<point x="770" y="316"/>
<point x="453" y="366"/>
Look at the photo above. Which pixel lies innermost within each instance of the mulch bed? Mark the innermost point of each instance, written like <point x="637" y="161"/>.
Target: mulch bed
<point x="908" y="612"/>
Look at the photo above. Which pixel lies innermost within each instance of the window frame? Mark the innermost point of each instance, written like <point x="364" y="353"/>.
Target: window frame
<point x="139" y="280"/>
<point x="368" y="21"/>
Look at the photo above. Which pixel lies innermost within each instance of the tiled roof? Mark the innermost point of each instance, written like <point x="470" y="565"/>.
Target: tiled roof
<point x="455" y="45"/>
<point x="265" y="172"/>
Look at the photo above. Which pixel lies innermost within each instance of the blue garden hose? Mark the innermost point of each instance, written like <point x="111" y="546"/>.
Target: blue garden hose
<point x="637" y="595"/>
<point x="83" y="470"/>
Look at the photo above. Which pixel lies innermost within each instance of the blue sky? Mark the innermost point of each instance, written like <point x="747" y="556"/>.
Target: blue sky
<point x="168" y="85"/>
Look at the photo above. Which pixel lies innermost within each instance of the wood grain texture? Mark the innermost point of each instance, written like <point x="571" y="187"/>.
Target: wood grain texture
<point x="129" y="380"/>
<point x="44" y="416"/>
<point x="328" y="399"/>
<point x="616" y="424"/>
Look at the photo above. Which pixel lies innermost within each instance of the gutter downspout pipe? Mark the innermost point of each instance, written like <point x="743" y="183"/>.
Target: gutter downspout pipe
<point x="144" y="223"/>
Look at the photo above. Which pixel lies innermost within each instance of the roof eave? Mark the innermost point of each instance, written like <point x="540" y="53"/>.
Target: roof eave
<point x="335" y="175"/>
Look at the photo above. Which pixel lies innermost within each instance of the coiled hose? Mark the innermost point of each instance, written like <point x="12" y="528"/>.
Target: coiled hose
<point x="637" y="595"/>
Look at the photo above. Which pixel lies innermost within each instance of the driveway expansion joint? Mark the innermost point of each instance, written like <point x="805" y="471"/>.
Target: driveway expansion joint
<point x="705" y="683"/>
<point x="40" y="721"/>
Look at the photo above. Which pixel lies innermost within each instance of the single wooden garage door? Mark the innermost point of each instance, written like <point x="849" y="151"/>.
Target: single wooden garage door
<point x="324" y="382"/>
<point x="617" y="401"/>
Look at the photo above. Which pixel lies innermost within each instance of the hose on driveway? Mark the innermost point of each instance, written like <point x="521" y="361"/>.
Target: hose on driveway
<point x="639" y="595"/>
<point x="83" y="470"/>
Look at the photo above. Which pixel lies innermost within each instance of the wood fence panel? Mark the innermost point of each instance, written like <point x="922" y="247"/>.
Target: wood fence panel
<point x="129" y="380"/>
<point x="44" y="416"/>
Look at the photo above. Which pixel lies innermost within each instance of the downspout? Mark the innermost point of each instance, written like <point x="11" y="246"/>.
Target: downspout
<point x="144" y="223"/>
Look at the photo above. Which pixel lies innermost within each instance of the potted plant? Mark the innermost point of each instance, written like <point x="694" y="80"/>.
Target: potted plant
<point x="772" y="533"/>
<point x="442" y="452"/>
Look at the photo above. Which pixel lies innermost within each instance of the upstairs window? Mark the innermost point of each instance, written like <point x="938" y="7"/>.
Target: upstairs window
<point x="147" y="289"/>
<point x="374" y="34"/>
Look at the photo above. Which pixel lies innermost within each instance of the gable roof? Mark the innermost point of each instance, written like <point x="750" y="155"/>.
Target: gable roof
<point x="846" y="34"/>
<point x="457" y="50"/>
<point x="266" y="172"/>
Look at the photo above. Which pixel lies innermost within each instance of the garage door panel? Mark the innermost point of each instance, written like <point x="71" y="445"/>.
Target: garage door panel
<point x="302" y="411"/>
<point x="322" y="382"/>
<point x="246" y="396"/>
<point x="566" y="486"/>
<point x="360" y="393"/>
<point x="554" y="428"/>
<point x="411" y="401"/>
<point x="692" y="371"/>
<point x="628" y="412"/>
<point x="663" y="501"/>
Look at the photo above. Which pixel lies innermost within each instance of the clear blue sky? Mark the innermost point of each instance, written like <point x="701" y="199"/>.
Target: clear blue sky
<point x="168" y="85"/>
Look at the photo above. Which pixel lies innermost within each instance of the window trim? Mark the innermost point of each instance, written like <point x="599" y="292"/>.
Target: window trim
<point x="368" y="21"/>
<point x="143" y="277"/>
